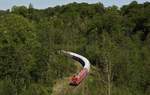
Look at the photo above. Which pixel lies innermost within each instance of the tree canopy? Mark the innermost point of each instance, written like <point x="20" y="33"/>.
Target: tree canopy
<point x="115" y="40"/>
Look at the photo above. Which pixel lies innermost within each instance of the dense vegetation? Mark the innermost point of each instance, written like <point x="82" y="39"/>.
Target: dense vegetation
<point x="115" y="40"/>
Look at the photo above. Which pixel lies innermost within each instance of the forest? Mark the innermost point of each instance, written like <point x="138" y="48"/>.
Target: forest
<point x="116" y="40"/>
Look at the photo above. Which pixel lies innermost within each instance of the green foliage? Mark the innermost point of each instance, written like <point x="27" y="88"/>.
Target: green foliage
<point x="7" y="87"/>
<point x="116" y="41"/>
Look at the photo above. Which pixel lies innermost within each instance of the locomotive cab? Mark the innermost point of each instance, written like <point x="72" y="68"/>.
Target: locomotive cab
<point x="74" y="80"/>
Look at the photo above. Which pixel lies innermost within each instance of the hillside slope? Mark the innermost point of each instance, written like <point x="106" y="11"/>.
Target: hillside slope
<point x="89" y="86"/>
<point x="115" y="40"/>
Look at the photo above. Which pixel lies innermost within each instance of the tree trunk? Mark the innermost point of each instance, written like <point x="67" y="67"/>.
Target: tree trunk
<point x="109" y="77"/>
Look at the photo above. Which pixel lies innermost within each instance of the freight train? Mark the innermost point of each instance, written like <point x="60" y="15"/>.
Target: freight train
<point x="77" y="79"/>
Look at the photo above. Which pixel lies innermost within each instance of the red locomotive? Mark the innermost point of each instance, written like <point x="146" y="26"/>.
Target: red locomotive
<point x="76" y="79"/>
